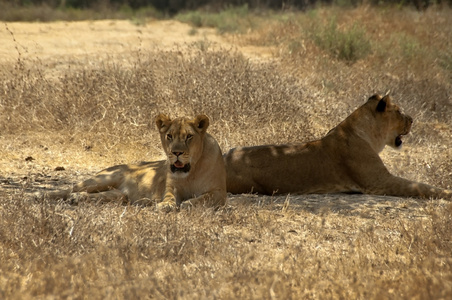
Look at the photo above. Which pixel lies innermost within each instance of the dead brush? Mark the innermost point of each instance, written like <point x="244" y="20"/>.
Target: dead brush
<point x="250" y="251"/>
<point x="120" y="103"/>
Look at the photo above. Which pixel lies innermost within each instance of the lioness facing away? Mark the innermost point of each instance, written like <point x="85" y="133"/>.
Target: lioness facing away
<point x="345" y="160"/>
<point x="193" y="173"/>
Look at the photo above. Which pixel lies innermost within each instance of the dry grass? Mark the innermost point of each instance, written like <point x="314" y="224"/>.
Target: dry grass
<point x="12" y="12"/>
<point x="247" y="251"/>
<point x="86" y="117"/>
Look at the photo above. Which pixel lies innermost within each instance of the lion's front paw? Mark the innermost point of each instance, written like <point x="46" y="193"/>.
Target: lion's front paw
<point x="166" y="206"/>
<point x="186" y="205"/>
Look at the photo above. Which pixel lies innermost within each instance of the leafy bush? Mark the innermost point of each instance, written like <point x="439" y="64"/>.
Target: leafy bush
<point x="232" y="19"/>
<point x="446" y="61"/>
<point x="349" y="45"/>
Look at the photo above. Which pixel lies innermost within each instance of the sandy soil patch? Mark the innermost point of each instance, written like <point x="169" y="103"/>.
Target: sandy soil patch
<point x="62" y="44"/>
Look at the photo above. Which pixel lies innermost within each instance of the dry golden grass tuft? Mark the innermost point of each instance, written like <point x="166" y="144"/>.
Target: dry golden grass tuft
<point x="86" y="117"/>
<point x="254" y="251"/>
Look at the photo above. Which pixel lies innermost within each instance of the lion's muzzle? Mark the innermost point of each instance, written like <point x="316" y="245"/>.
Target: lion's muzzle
<point x="408" y="122"/>
<point x="398" y="141"/>
<point x="180" y="167"/>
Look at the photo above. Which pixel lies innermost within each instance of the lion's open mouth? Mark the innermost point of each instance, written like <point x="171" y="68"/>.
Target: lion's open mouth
<point x="398" y="141"/>
<point x="179" y="166"/>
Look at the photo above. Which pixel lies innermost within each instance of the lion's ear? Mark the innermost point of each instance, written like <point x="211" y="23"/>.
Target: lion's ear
<point x="375" y="97"/>
<point x="201" y="123"/>
<point x="162" y="121"/>
<point x="381" y="106"/>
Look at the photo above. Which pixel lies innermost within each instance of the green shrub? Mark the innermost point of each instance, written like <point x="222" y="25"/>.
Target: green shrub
<point x="232" y="19"/>
<point x="445" y="61"/>
<point x="194" y="18"/>
<point x="349" y="45"/>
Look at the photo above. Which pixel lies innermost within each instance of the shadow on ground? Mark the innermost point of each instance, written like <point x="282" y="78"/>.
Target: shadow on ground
<point x="365" y="206"/>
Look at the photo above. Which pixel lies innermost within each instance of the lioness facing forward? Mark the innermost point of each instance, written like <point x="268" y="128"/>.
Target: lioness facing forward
<point x="345" y="160"/>
<point x="193" y="173"/>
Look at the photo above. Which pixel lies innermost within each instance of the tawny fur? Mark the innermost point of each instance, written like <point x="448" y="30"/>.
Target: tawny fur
<point x="185" y="142"/>
<point x="345" y="160"/>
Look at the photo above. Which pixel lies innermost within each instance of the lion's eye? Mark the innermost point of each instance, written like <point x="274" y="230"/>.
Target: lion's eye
<point x="189" y="136"/>
<point x="169" y="137"/>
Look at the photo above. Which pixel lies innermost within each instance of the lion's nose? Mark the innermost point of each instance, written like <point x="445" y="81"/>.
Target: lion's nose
<point x="178" y="153"/>
<point x="410" y="119"/>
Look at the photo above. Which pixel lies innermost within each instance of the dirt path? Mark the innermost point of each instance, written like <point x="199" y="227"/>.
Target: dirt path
<point x="60" y="44"/>
<point x="96" y="39"/>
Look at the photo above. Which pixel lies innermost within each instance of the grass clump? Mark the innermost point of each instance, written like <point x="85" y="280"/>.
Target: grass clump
<point x="9" y="12"/>
<point x="232" y="19"/>
<point x="348" y="44"/>
<point x="446" y="61"/>
<point x="411" y="49"/>
<point x="194" y="18"/>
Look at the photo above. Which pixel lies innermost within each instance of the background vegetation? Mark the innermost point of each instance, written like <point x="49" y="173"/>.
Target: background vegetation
<point x="48" y="10"/>
<point x="277" y="77"/>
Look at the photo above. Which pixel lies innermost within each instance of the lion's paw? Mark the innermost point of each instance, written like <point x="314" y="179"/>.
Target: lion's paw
<point x="186" y="205"/>
<point x="166" y="206"/>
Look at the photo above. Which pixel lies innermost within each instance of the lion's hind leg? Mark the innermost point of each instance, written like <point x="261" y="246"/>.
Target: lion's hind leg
<point x="90" y="193"/>
<point x="104" y="187"/>
<point x="98" y="198"/>
<point x="105" y="180"/>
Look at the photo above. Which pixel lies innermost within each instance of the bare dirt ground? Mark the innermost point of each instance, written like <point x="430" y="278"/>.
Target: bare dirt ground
<point x="85" y="43"/>
<point x="66" y="42"/>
